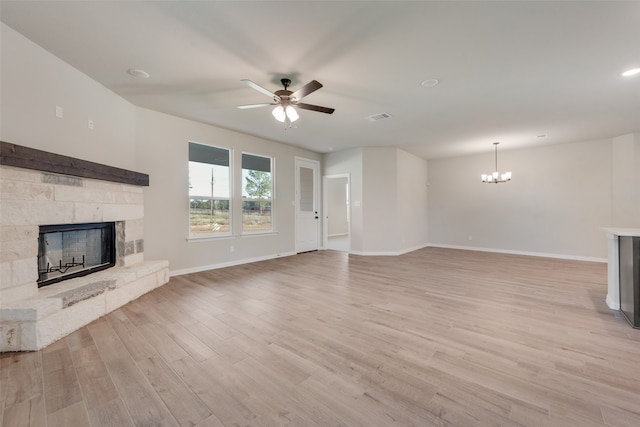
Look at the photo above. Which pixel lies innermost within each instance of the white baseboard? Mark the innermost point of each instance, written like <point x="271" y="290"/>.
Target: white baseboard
<point x="360" y="253"/>
<point x="227" y="264"/>
<point x="396" y="253"/>
<point x="506" y="251"/>
<point x="338" y="235"/>
<point x="612" y="304"/>
<point x="385" y="253"/>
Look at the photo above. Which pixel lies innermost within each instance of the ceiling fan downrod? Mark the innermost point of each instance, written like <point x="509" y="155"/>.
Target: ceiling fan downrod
<point x="286" y="83"/>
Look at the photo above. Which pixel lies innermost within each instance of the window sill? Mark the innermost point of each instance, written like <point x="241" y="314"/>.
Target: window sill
<point x="231" y="236"/>
<point x="209" y="238"/>
<point x="259" y="234"/>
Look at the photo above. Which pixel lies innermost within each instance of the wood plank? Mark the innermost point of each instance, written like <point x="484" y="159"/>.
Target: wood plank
<point x="212" y="421"/>
<point x="26" y="413"/>
<point x="110" y="414"/>
<point x="142" y="402"/>
<point x="183" y="404"/>
<point x="293" y="403"/>
<point x="97" y="386"/>
<point x="224" y="405"/>
<point x="24" y="388"/>
<point x="169" y="349"/>
<point x="61" y="385"/>
<point x="189" y="342"/>
<point x="80" y="339"/>
<point x="71" y="416"/>
<point x="140" y="399"/>
<point x="135" y="343"/>
<point x="221" y="346"/>
<point x="5" y="359"/>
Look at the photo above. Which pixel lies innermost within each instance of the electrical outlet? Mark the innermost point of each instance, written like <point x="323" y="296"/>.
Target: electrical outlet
<point x="470" y="237"/>
<point x="231" y="248"/>
<point x="90" y="124"/>
<point x="59" y="112"/>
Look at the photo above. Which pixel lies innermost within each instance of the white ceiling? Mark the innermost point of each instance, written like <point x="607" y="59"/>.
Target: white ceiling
<point x="508" y="71"/>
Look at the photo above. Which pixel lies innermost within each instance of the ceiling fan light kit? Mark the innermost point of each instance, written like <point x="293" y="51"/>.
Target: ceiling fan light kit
<point x="283" y="114"/>
<point x="496" y="177"/>
<point x="286" y="101"/>
<point x="291" y="113"/>
<point x="279" y="113"/>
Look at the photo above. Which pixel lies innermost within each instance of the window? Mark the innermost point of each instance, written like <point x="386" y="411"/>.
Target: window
<point x="257" y="185"/>
<point x="209" y="190"/>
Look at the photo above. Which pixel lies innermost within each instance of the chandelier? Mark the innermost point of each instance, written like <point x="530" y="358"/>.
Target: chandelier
<point x="496" y="177"/>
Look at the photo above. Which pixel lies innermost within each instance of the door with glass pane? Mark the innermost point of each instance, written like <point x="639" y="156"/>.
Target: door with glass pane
<point x="307" y="204"/>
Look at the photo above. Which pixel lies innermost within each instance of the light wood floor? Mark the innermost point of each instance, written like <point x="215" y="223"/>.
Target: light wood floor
<point x="435" y="337"/>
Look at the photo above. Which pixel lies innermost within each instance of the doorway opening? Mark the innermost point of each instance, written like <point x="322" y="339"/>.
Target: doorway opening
<point x="337" y="218"/>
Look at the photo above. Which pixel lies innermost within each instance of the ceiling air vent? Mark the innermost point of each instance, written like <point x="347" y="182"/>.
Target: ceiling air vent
<point x="378" y="117"/>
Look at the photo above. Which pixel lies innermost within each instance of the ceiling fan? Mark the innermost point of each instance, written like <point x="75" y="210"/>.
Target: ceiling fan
<point x="287" y="101"/>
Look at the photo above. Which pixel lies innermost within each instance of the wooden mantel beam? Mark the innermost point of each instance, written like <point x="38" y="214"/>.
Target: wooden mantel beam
<point x="31" y="158"/>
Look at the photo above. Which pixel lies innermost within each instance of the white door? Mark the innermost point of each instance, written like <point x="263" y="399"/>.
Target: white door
<point x="307" y="203"/>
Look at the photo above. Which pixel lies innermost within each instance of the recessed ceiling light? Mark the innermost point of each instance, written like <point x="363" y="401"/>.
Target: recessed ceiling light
<point x="631" y="72"/>
<point x="429" y="83"/>
<point x="141" y="74"/>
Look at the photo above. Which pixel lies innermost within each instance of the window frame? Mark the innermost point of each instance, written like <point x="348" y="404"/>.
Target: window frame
<point x="271" y="199"/>
<point x="229" y="199"/>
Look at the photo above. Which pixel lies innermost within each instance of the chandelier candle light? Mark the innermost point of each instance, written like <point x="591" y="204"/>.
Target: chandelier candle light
<point x="496" y="177"/>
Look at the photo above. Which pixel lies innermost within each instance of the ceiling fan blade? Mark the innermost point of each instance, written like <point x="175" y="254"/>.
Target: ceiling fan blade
<point x="244" y="107"/>
<point x="315" y="108"/>
<point x="260" y="88"/>
<point x="305" y="90"/>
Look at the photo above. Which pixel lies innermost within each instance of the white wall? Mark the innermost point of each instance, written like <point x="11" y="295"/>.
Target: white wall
<point x="162" y="143"/>
<point x="388" y="198"/>
<point x="626" y="181"/>
<point x="380" y="200"/>
<point x="33" y="82"/>
<point x="556" y="204"/>
<point x="412" y="201"/>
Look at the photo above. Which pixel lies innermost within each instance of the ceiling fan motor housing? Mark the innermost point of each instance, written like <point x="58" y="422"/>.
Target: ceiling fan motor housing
<point x="283" y="95"/>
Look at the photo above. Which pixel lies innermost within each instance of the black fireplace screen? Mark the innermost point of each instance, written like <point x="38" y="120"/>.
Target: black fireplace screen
<point x="73" y="250"/>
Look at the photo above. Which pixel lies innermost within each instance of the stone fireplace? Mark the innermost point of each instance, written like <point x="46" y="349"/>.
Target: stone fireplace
<point x="58" y="194"/>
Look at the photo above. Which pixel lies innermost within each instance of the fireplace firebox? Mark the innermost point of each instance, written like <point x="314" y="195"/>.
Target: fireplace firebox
<point x="73" y="250"/>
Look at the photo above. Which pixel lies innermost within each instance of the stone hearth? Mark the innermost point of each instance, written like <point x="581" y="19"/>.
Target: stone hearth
<point x="31" y="317"/>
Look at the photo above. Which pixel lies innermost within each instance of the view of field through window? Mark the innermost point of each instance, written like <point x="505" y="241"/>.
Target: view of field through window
<point x="257" y="212"/>
<point x="210" y="192"/>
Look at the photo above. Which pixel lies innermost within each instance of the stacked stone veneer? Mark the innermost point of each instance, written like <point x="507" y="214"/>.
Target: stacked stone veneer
<point x="32" y="318"/>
